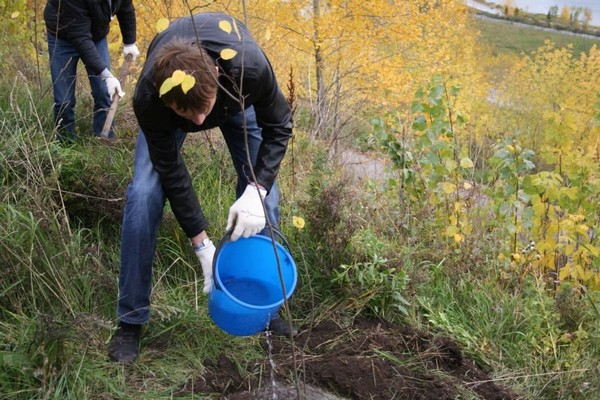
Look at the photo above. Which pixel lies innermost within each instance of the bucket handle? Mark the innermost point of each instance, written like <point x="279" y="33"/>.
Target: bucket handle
<point x="227" y="237"/>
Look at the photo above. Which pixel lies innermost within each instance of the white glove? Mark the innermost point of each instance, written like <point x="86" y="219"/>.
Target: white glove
<point x="205" y="255"/>
<point x="131" y="49"/>
<point x="112" y="84"/>
<point x="247" y="213"/>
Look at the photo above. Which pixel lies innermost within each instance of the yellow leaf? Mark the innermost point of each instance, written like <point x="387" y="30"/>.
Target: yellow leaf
<point x="177" y="77"/>
<point x="267" y="34"/>
<point x="451" y="230"/>
<point x="458" y="238"/>
<point x="298" y="222"/>
<point x="466" y="163"/>
<point x="453" y="220"/>
<point x="450" y="165"/>
<point x="583" y="229"/>
<point x="225" y="26"/>
<point x="580" y="272"/>
<point x="564" y="273"/>
<point x="188" y="82"/>
<point x="448" y="187"/>
<point x="594" y="251"/>
<point x="588" y="275"/>
<point x="162" y="24"/>
<point x="166" y="86"/>
<point x="228" y="54"/>
<point x="15" y="14"/>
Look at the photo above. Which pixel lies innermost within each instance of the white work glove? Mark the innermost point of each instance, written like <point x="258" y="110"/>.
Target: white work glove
<point x="247" y="214"/>
<point x="131" y="49"/>
<point x="112" y="84"/>
<point x="205" y="253"/>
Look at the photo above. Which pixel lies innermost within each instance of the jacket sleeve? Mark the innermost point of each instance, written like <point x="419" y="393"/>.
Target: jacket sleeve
<point x="274" y="116"/>
<point x="126" y="17"/>
<point x="158" y="124"/>
<point x="75" y="15"/>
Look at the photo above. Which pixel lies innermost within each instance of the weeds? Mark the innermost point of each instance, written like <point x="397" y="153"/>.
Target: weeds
<point x="430" y="262"/>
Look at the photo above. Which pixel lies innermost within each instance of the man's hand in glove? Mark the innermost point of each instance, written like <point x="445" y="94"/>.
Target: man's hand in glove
<point x="246" y="215"/>
<point x="112" y="84"/>
<point x="131" y="49"/>
<point x="205" y="251"/>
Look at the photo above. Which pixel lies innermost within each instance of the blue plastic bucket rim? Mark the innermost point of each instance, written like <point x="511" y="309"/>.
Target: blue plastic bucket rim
<point x="221" y="286"/>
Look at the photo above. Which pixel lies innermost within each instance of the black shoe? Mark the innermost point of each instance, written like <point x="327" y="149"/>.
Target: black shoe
<point x="124" y="346"/>
<point x="281" y="327"/>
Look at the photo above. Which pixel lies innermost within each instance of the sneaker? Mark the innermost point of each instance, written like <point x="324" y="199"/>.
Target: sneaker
<point x="124" y="346"/>
<point x="281" y="327"/>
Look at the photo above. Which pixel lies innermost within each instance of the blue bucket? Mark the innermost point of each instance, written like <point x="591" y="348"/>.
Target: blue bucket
<point x="247" y="290"/>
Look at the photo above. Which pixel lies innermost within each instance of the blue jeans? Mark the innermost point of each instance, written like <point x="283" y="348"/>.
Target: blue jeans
<point x="144" y="210"/>
<point x="63" y="68"/>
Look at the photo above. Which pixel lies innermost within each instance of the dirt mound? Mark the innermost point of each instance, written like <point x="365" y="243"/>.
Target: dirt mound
<point x="369" y="360"/>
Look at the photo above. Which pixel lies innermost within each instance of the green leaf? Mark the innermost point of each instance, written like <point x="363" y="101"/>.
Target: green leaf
<point x="417" y="107"/>
<point x="466" y="163"/>
<point x="420" y="124"/>
<point x="528" y="165"/>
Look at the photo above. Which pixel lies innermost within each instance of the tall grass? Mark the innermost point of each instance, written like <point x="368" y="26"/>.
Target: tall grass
<point x="59" y="239"/>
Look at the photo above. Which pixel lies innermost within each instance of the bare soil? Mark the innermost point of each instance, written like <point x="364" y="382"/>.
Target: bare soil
<point x="370" y="359"/>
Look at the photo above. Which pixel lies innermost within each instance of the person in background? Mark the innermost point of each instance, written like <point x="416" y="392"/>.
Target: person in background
<point x="77" y="29"/>
<point x="203" y="90"/>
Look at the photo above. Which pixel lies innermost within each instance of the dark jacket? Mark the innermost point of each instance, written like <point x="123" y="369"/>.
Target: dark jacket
<point x="84" y="22"/>
<point x="260" y="89"/>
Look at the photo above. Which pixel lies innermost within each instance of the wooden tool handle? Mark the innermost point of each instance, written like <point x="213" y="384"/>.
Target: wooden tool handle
<point x="113" y="107"/>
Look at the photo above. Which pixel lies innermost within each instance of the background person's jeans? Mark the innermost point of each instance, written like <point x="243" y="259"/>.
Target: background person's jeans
<point x="144" y="211"/>
<point x="63" y="68"/>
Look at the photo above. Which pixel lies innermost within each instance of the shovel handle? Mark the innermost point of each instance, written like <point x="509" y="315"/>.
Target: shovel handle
<point x="113" y="107"/>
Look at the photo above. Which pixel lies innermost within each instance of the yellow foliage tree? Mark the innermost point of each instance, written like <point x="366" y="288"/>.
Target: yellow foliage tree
<point x="587" y="17"/>
<point x="357" y="56"/>
<point x="509" y="7"/>
<point x="565" y="15"/>
<point x="549" y="97"/>
<point x="348" y="58"/>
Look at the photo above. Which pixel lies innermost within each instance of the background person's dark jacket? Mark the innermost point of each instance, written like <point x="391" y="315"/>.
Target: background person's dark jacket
<point x="260" y="89"/>
<point x="83" y="22"/>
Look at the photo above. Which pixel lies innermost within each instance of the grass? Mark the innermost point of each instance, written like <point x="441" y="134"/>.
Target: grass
<point x="491" y="321"/>
<point x="505" y="37"/>
<point x="59" y="242"/>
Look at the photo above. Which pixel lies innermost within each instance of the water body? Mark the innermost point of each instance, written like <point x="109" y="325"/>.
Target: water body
<point x="543" y="6"/>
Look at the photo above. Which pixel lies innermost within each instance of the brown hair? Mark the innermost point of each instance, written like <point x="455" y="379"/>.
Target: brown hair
<point x="193" y="60"/>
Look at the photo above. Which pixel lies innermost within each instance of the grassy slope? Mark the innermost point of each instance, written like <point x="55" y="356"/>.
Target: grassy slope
<point x="505" y="37"/>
